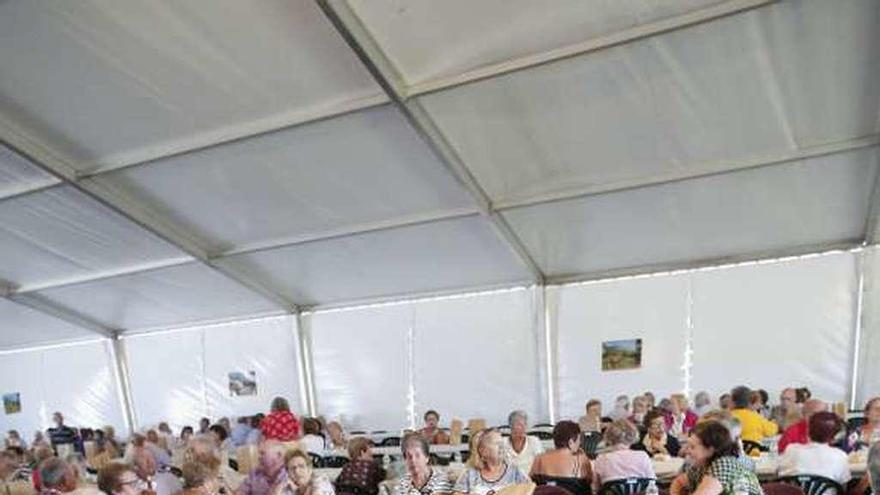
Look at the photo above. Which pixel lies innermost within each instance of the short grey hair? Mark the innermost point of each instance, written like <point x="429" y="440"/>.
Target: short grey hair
<point x="702" y="399"/>
<point x="734" y="426"/>
<point x="874" y="466"/>
<point x="52" y="472"/>
<point x="518" y="414"/>
<point x="621" y="432"/>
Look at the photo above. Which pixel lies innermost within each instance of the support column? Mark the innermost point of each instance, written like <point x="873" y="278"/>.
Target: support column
<point x="123" y="381"/>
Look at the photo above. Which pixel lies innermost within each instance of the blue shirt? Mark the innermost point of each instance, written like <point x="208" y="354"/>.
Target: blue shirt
<point x="239" y="434"/>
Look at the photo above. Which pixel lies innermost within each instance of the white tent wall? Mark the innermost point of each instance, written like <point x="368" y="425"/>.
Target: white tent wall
<point x="76" y="379"/>
<point x="180" y="376"/>
<point x="774" y="325"/>
<point x="867" y="383"/>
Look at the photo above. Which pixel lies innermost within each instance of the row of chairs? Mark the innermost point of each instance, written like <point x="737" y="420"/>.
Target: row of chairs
<point x="787" y="485"/>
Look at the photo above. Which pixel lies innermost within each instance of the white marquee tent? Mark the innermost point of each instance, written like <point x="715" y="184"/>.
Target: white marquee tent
<point x="380" y="206"/>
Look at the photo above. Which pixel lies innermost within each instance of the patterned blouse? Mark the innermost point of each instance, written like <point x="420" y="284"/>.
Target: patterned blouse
<point x="727" y="470"/>
<point x="360" y="473"/>
<point x="437" y="483"/>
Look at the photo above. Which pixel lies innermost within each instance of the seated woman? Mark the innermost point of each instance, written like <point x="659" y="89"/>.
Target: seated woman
<point x="817" y="457"/>
<point x="680" y="420"/>
<point x="715" y="466"/>
<point x="199" y="479"/>
<point x="431" y="431"/>
<point x="640" y="408"/>
<point x="301" y="478"/>
<point x="312" y="440"/>
<point x="420" y="478"/>
<point x="592" y="421"/>
<point x="492" y="473"/>
<point x="521" y="448"/>
<point x="336" y="443"/>
<point x="618" y="461"/>
<point x="869" y="432"/>
<point x="656" y="441"/>
<point x="567" y="460"/>
<point x="362" y="473"/>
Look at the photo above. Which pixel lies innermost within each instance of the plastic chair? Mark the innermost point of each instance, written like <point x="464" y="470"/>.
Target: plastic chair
<point x="576" y="486"/>
<point x="813" y="484"/>
<point x="590" y="443"/>
<point x="334" y="461"/>
<point x="782" y="489"/>
<point x="541" y="434"/>
<point x="317" y="461"/>
<point x="390" y="442"/>
<point x="750" y="446"/>
<point x="626" y="486"/>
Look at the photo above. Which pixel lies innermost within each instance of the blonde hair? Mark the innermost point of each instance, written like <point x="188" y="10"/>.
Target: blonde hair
<point x="474" y="460"/>
<point x="681" y="400"/>
<point x="491" y="439"/>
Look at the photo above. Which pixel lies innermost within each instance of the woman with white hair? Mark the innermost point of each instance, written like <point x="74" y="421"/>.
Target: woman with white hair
<point x="521" y="448"/>
<point x="619" y="461"/>
<point x="492" y="473"/>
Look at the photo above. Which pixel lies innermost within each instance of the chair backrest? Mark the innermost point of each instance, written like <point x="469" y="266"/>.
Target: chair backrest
<point x="335" y="461"/>
<point x="782" y="489"/>
<point x="626" y="486"/>
<point x="813" y="485"/>
<point x="317" y="461"/>
<point x="590" y="443"/>
<point x="390" y="442"/>
<point x="576" y="486"/>
<point x="750" y="447"/>
<point x="542" y="434"/>
<point x="350" y="490"/>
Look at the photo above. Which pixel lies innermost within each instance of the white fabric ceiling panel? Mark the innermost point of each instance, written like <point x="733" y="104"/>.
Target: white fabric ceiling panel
<point x="120" y="80"/>
<point x="60" y="234"/>
<point x="168" y="296"/>
<point x="427" y="39"/>
<point x="500" y="335"/>
<point x="77" y="380"/>
<point x="301" y="182"/>
<point x="442" y="255"/>
<point x="776" y="325"/>
<point x="820" y="200"/>
<point x="21" y="326"/>
<point x="652" y="309"/>
<point x="269" y="348"/>
<point x="361" y="366"/>
<point x="672" y="105"/>
<point x="17" y="175"/>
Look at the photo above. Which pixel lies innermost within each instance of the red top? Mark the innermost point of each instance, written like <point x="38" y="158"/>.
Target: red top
<point x="280" y="425"/>
<point x="796" y="433"/>
<point x="690" y="420"/>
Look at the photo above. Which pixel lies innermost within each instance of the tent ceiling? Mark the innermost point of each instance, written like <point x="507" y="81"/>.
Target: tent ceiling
<point x="23" y="326"/>
<point x="270" y="154"/>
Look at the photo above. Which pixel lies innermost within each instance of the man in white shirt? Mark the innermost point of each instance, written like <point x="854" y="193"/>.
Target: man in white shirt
<point x="817" y="457"/>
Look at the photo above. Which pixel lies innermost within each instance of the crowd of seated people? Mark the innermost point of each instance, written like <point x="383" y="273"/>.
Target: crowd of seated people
<point x="718" y="443"/>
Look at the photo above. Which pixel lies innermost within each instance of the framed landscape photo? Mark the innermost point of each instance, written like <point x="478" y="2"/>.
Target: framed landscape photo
<point x="12" y="403"/>
<point x="621" y="354"/>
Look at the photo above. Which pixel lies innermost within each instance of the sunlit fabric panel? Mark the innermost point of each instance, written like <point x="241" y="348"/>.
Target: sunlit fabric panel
<point x="588" y="318"/>
<point x="76" y="380"/>
<point x="480" y="356"/>
<point x="777" y="325"/>
<point x="361" y="366"/>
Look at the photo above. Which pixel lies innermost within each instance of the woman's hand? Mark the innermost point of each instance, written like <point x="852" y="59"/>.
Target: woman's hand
<point x="679" y="485"/>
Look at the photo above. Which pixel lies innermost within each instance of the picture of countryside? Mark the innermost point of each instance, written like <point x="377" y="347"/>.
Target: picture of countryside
<point x="621" y="354"/>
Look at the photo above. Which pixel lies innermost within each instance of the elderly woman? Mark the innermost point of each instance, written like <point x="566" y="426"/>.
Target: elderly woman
<point x="640" y="408"/>
<point x="715" y="465"/>
<point x="655" y="441"/>
<point x="621" y="408"/>
<point x="567" y="460"/>
<point x="817" y="457"/>
<point x="869" y="432"/>
<point x="301" y="478"/>
<point x="618" y="461"/>
<point x="280" y="424"/>
<point x="117" y="478"/>
<point x="521" y="448"/>
<point x="680" y="420"/>
<point x="702" y="403"/>
<point x="431" y="431"/>
<point x="199" y="479"/>
<point x="493" y="473"/>
<point x="420" y="478"/>
<point x="336" y="443"/>
<point x="592" y="421"/>
<point x="362" y="474"/>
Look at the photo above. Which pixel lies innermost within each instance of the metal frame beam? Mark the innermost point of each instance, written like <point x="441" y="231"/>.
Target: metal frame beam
<point x="43" y="305"/>
<point x="51" y="162"/>
<point x="724" y="9"/>
<point x="123" y="381"/>
<point x="380" y="67"/>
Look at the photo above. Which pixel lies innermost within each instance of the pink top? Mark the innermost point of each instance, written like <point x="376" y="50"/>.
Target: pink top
<point x="619" y="464"/>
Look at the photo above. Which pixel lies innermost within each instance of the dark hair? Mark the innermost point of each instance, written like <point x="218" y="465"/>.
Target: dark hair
<point x="256" y="419"/>
<point x="593" y="402"/>
<point x="740" y="397"/>
<point x="186" y="429"/>
<point x="109" y="476"/>
<point x="714" y="435"/>
<point x="802" y="394"/>
<point x="823" y="426"/>
<point x="430" y="412"/>
<point x="764" y="396"/>
<point x="868" y="405"/>
<point x="219" y="430"/>
<point x="650" y="416"/>
<point x="204" y="420"/>
<point x="414" y="437"/>
<point x="563" y="432"/>
<point x="311" y="426"/>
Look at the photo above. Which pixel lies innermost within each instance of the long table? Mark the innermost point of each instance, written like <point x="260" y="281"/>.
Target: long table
<point x="442" y="449"/>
